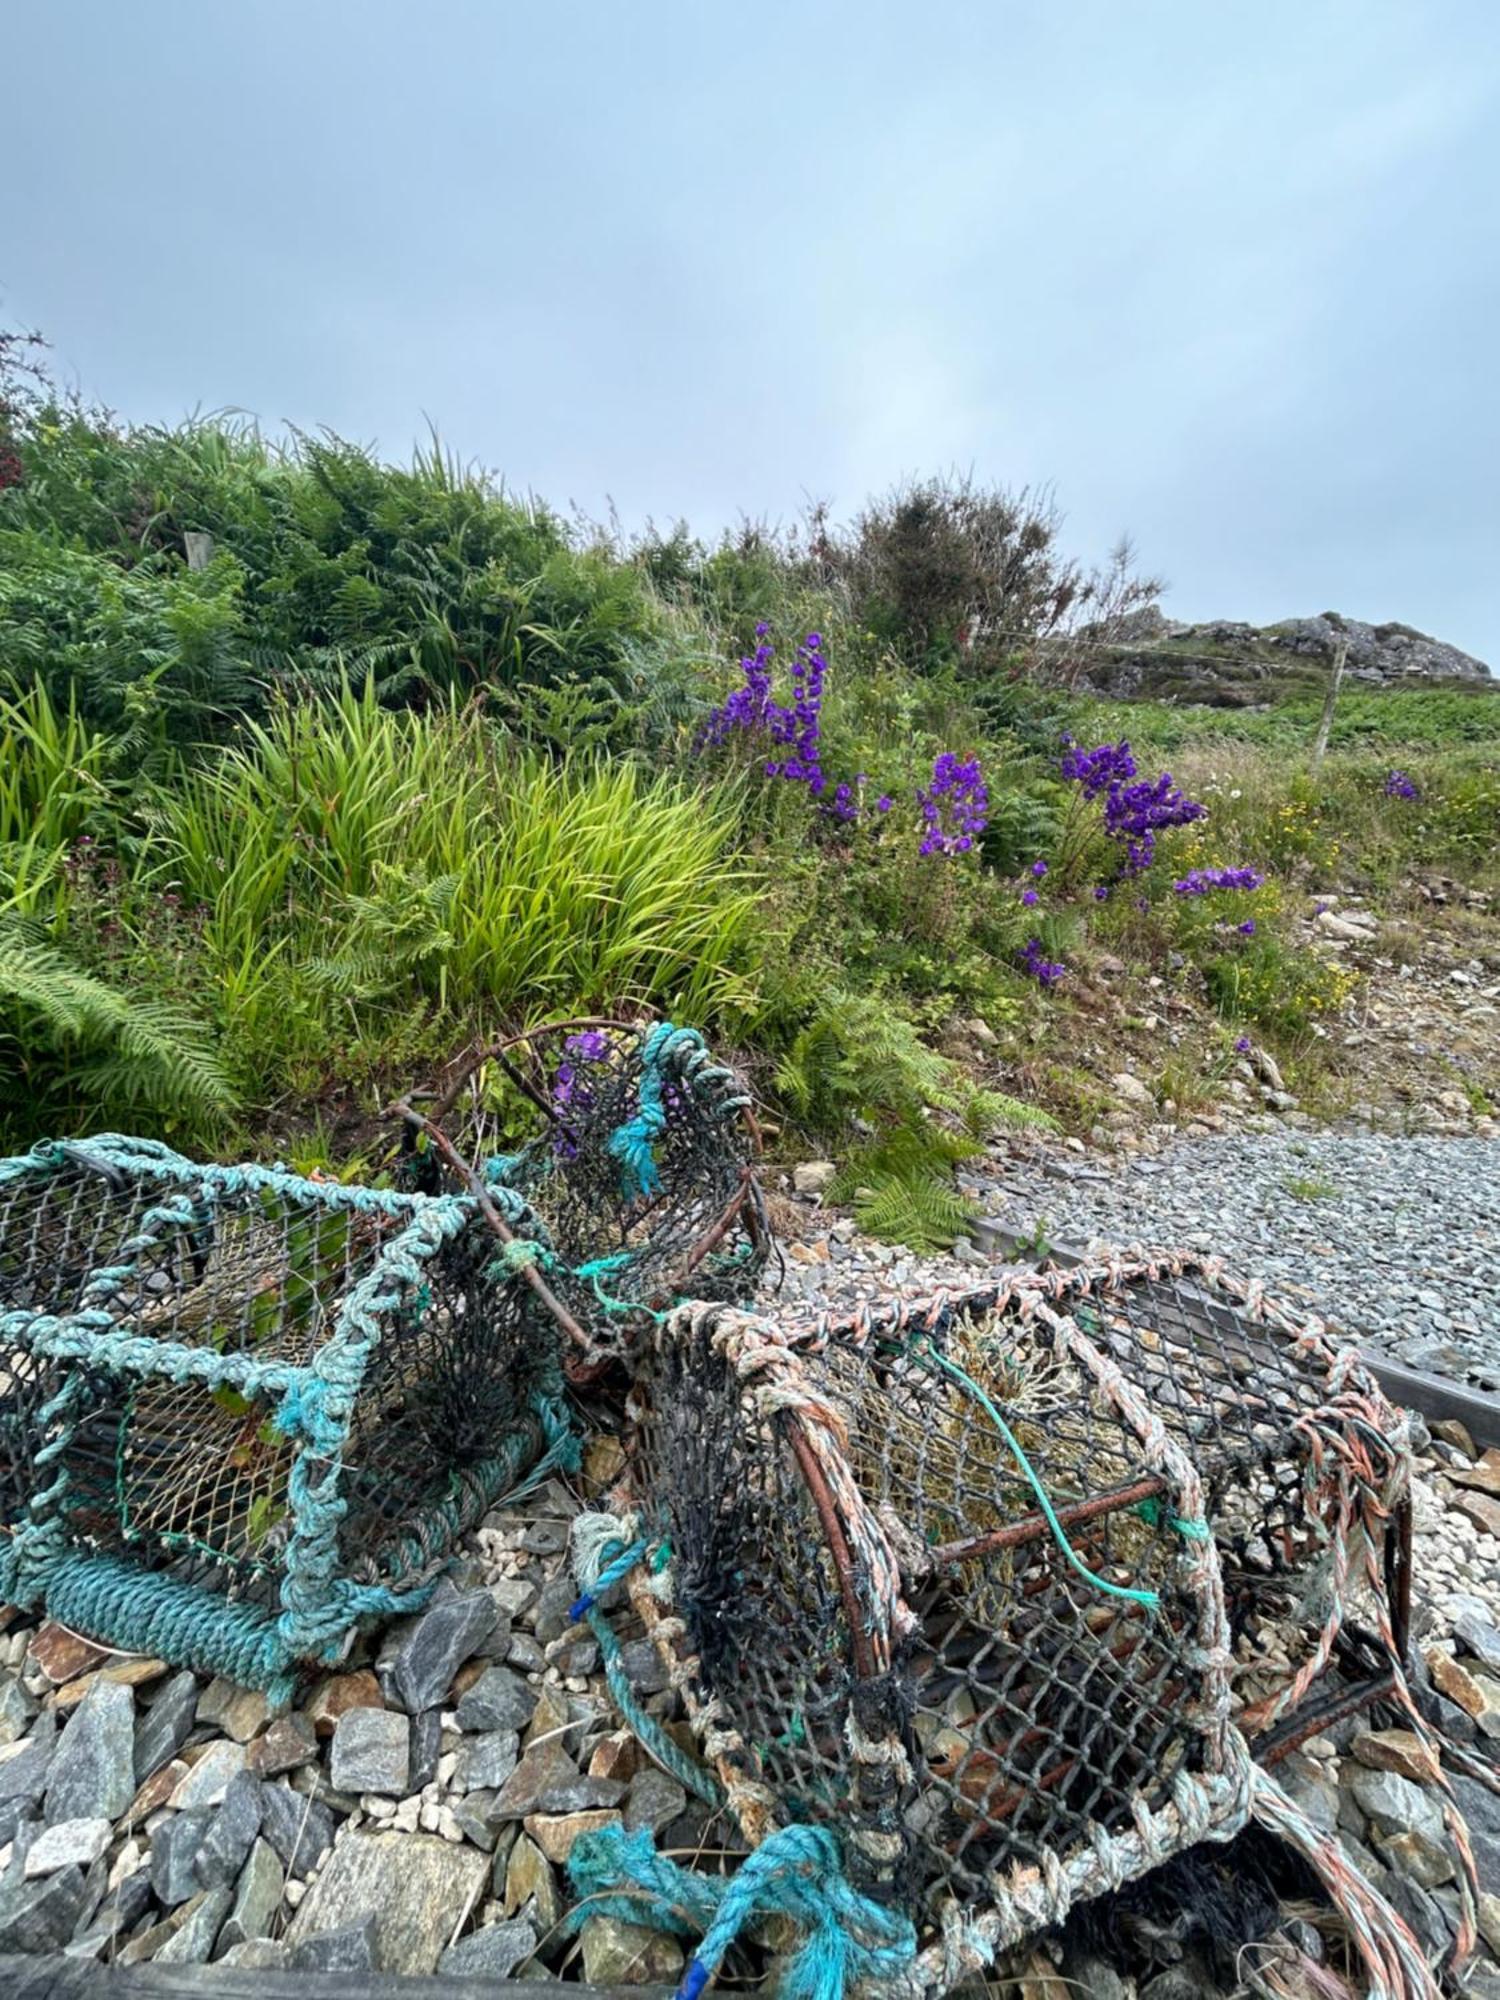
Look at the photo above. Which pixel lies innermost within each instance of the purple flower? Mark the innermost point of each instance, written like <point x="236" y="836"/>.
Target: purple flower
<point x="589" y="1045"/>
<point x="1028" y="897"/>
<point x="955" y="807"/>
<point x="1247" y="928"/>
<point x="884" y="803"/>
<point x="1096" y="770"/>
<point x="1045" y="971"/>
<point x="1101" y="892"/>
<point x="1242" y="1045"/>
<point x="762" y="629"/>
<point x="1039" y="869"/>
<point x="1399" y="786"/>
<point x="1201" y="880"/>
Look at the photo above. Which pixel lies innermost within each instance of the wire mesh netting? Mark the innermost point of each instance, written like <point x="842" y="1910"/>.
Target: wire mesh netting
<point x="633" y="1142"/>
<point x="233" y="1390"/>
<point x="961" y="1579"/>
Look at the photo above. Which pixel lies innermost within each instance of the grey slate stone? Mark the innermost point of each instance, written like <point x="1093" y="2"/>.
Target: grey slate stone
<point x="553" y="1606"/>
<point x="655" y="1800"/>
<point x="197" y="1931"/>
<point x="24" y="1777"/>
<point x="1396" y="1805"/>
<point x="210" y="1777"/>
<point x="426" y="1748"/>
<point x="17" y="1709"/>
<point x="413" y="1885"/>
<point x="123" y="1906"/>
<point x="70" y="1843"/>
<point x="257" y="1897"/>
<point x="499" y="1699"/>
<point x="434" y="1650"/>
<point x="483" y="1763"/>
<point x="41" y="1915"/>
<point x="174" y="1850"/>
<point x="1481" y="1635"/>
<point x="351" y="1948"/>
<point x="300" y="1830"/>
<point x="164" y="1727"/>
<point x="231" y="1834"/>
<point x="493" y="1953"/>
<point x="260" y="1954"/>
<point x="93" y="1772"/>
<point x="644" y="1666"/>
<point x="371" y="1752"/>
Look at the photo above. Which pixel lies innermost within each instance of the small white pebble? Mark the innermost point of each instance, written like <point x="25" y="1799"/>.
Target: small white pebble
<point x="429" y="1818"/>
<point x="446" y="1767"/>
<point x="294" y="1892"/>
<point x="377" y="1806"/>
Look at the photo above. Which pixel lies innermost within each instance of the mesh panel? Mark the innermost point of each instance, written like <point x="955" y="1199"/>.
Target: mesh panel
<point x="660" y="1234"/>
<point x="1048" y="1679"/>
<point x="233" y="1317"/>
<point x="1030" y="1704"/>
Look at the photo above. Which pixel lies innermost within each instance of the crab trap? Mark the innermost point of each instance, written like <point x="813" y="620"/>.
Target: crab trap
<point x="963" y="1582"/>
<point x="240" y="1411"/>
<point x="636" y="1146"/>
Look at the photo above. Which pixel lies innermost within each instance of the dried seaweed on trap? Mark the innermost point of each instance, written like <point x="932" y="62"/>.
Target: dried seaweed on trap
<point x="960" y="1581"/>
<point x="634" y="1145"/>
<point x="239" y="1410"/>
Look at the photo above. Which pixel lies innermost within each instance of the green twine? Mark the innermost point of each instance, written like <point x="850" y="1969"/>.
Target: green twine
<point x="1153" y="1511"/>
<point x="1149" y="1598"/>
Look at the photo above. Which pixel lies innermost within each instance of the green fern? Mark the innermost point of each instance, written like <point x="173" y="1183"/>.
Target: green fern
<point x="913" y="1208"/>
<point x="76" y="1039"/>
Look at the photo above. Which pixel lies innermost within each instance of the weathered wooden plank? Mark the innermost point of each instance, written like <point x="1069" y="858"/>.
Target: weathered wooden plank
<point x="75" y="1979"/>
<point x="1437" y="1399"/>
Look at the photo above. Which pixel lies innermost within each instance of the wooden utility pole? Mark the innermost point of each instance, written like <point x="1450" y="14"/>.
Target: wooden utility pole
<point x="1330" y="701"/>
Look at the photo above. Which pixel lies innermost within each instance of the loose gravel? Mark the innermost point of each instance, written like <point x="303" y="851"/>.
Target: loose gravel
<point x="1394" y="1240"/>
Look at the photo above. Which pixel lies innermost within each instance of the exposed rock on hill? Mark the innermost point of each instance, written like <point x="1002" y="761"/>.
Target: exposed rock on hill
<point x="1229" y="662"/>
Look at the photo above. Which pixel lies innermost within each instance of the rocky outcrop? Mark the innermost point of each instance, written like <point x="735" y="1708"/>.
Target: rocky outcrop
<point x="1148" y="653"/>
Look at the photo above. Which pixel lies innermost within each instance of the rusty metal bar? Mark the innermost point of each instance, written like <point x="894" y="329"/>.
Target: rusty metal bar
<point x="495" y="1221"/>
<point x="1032" y="1526"/>
<point x="838" y="1546"/>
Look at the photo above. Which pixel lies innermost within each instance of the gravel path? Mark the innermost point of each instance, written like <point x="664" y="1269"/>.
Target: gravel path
<point x="1394" y="1239"/>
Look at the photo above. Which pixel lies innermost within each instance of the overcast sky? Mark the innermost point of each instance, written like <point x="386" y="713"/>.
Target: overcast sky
<point x="1224" y="272"/>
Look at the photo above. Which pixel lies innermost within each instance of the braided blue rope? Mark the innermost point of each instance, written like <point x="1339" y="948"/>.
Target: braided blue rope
<point x="796" y="1873"/>
<point x="646" y="1729"/>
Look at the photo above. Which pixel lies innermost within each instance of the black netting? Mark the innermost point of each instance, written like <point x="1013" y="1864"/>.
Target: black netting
<point x="1047" y="1681"/>
<point x="161" y="1458"/>
<point x="676" y="1210"/>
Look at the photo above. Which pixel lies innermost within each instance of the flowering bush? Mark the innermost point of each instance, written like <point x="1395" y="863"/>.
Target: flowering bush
<point x="1046" y="971"/>
<point x="1199" y="881"/>
<point x="1399" y="786"/>
<point x="955" y="806"/>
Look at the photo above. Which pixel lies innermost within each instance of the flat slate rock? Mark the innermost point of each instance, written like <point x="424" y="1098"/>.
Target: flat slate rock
<point x="70" y="1843"/>
<point x="198" y="1926"/>
<point x="174" y="1853"/>
<point x="93" y="1772"/>
<point x="23" y="1778"/>
<point x="300" y="1830"/>
<point x="351" y="1948"/>
<point x="41" y="1915"/>
<point x="493" y="1953"/>
<point x="484" y="1762"/>
<point x="257" y="1897"/>
<point x="414" y="1886"/>
<point x="231" y="1834"/>
<point x="432" y="1652"/>
<point x="372" y="1753"/>
<point x="165" y="1725"/>
<point x="499" y="1699"/>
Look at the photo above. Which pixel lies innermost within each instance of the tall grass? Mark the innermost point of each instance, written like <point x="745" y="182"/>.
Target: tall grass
<point x="361" y="868"/>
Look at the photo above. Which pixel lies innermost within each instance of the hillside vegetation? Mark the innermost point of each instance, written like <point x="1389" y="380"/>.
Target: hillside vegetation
<point x="315" y="767"/>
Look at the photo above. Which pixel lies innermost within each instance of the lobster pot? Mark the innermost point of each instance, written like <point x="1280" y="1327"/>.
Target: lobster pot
<point x="1306" y="1470"/>
<point x="242" y="1410"/>
<point x="941" y="1585"/>
<point x="633" y="1143"/>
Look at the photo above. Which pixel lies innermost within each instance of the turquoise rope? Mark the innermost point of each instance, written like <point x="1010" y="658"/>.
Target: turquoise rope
<point x="647" y="1730"/>
<point x="1149" y="1598"/>
<point x="795" y="1872"/>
